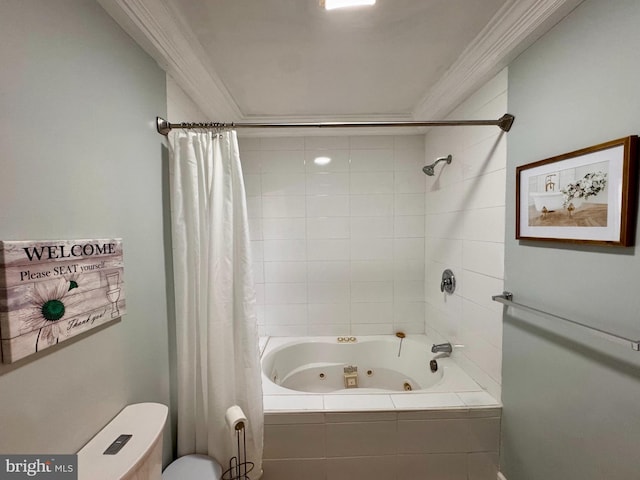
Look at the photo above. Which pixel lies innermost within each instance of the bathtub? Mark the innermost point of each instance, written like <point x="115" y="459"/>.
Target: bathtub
<point x="376" y="364"/>
<point x="307" y="373"/>
<point x="400" y="421"/>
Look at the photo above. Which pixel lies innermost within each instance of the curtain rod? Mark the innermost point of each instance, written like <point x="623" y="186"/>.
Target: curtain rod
<point x="164" y="127"/>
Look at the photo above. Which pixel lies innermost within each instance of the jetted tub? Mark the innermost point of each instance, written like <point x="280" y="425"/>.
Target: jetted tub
<point x="385" y="366"/>
<point x="374" y="364"/>
<point x="315" y="427"/>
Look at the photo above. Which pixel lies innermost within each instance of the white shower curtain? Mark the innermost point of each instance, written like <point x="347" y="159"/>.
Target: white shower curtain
<point x="216" y="326"/>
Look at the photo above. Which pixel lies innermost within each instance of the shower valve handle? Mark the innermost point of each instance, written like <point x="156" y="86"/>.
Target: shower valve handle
<point x="448" y="283"/>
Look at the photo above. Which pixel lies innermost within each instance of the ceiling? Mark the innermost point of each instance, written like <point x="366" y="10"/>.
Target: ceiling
<point x="290" y="60"/>
<point x="293" y="58"/>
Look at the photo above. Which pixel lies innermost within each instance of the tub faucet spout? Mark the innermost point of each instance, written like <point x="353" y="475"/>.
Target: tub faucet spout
<point x="441" y="347"/>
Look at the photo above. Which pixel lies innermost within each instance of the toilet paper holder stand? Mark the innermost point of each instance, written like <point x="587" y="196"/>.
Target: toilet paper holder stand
<point x="239" y="466"/>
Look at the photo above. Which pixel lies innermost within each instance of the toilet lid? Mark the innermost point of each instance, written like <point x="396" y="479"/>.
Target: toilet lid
<point x="193" y="467"/>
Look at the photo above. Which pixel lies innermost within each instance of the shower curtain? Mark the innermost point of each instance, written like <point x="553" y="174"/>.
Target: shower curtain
<point x="216" y="326"/>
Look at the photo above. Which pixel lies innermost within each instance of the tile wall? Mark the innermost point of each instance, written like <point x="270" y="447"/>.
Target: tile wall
<point x="337" y="249"/>
<point x="455" y="444"/>
<point x="358" y="246"/>
<point x="464" y="230"/>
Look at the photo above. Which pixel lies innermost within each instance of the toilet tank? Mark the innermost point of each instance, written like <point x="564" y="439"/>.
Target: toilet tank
<point x="139" y="457"/>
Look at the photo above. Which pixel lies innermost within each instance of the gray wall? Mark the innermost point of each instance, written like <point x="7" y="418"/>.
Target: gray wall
<point x="81" y="159"/>
<point x="571" y="408"/>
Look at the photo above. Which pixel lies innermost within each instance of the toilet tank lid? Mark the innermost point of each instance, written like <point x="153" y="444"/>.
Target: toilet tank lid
<point x="144" y="421"/>
<point x="197" y="467"/>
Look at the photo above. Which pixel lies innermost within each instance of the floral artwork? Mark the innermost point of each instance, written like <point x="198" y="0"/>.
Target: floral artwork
<point x="586" y="196"/>
<point x="588" y="186"/>
<point x="52" y="291"/>
<point x="570" y="197"/>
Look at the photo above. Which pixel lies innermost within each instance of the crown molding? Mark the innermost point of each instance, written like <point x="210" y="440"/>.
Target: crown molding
<point x="161" y="32"/>
<point x="516" y="26"/>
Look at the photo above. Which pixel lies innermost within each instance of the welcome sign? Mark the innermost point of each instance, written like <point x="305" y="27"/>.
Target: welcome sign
<point x="51" y="291"/>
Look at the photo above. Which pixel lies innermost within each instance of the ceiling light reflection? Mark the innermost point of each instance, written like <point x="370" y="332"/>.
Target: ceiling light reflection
<point x="322" y="161"/>
<point x="333" y="4"/>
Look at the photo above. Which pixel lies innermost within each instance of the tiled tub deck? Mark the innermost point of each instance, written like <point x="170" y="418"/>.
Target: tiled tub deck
<point x="439" y="435"/>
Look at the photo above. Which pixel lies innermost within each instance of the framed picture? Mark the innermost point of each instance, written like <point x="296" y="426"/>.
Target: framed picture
<point x="586" y="196"/>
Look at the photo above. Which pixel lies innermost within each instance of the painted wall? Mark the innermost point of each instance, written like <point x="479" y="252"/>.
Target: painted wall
<point x="81" y="159"/>
<point x="464" y="231"/>
<point x="570" y="399"/>
<point x="180" y="106"/>
<point x="337" y="249"/>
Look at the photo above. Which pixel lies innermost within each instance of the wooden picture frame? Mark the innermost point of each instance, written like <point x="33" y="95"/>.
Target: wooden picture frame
<point x="585" y="197"/>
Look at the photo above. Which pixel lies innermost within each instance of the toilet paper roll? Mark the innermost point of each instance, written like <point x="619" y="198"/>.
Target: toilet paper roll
<point x="235" y="418"/>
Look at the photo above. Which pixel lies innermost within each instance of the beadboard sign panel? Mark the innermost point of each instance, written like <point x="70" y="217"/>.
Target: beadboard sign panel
<point x="51" y="291"/>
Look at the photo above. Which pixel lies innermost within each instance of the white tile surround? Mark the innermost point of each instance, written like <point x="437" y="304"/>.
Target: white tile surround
<point x="435" y="401"/>
<point x="337" y="249"/>
<point x="358" y="248"/>
<point x="451" y="444"/>
<point x="464" y="231"/>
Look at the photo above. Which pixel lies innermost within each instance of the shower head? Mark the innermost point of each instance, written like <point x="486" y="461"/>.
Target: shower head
<point x="429" y="169"/>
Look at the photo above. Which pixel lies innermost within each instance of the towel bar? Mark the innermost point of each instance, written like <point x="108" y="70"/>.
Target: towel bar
<point x="506" y="298"/>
